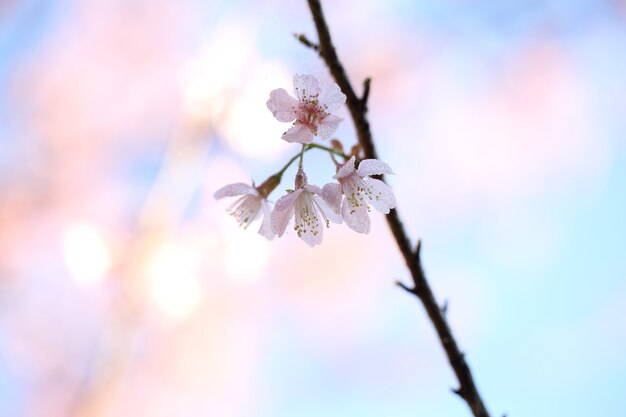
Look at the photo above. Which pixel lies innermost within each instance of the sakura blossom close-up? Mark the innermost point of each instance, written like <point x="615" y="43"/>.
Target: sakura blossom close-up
<point x="361" y="191"/>
<point x="312" y="208"/>
<point x="248" y="207"/>
<point x="311" y="109"/>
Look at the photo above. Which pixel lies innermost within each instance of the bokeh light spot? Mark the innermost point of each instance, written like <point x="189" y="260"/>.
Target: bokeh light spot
<point x="172" y="279"/>
<point x="86" y="255"/>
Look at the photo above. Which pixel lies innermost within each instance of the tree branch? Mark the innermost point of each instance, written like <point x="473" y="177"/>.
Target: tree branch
<point x="358" y="110"/>
<point x="366" y="93"/>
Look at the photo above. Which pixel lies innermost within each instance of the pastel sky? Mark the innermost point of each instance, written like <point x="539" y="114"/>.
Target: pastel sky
<point x="126" y="289"/>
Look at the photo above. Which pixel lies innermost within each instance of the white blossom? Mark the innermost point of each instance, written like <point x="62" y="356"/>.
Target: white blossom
<point x="311" y="207"/>
<point x="360" y="192"/>
<point x="310" y="112"/>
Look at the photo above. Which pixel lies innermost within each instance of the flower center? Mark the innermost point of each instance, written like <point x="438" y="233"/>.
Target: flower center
<point x="311" y="114"/>
<point x="307" y="220"/>
<point x="358" y="192"/>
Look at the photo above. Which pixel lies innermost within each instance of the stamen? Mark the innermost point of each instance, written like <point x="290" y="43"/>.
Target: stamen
<point x="244" y="210"/>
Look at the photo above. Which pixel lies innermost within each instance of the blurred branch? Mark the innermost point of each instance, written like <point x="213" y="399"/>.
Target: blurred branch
<point x="366" y="93"/>
<point x="159" y="217"/>
<point x="358" y="111"/>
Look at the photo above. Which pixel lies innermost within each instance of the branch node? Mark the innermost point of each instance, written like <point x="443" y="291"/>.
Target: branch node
<point x="301" y="37"/>
<point x="405" y="288"/>
<point x="459" y="392"/>
<point x="418" y="252"/>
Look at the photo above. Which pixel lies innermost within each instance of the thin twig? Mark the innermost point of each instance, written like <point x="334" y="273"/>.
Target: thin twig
<point x="306" y="42"/>
<point x="404" y="287"/>
<point x="467" y="389"/>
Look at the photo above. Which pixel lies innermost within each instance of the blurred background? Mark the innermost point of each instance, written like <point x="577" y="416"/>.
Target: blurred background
<point x="127" y="290"/>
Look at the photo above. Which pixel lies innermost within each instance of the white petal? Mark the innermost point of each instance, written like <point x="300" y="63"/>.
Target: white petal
<point x="298" y="133"/>
<point x="347" y="169"/>
<point x="328" y="126"/>
<point x="313" y="239"/>
<point x="306" y="86"/>
<point x="357" y="219"/>
<point x="328" y="212"/>
<point x="308" y="223"/>
<point x="232" y="190"/>
<point x="283" y="212"/>
<point x="313" y="189"/>
<point x="266" y="229"/>
<point x="283" y="106"/>
<point x="382" y="197"/>
<point x="245" y="209"/>
<point x="331" y="193"/>
<point x="373" y="167"/>
<point x="332" y="98"/>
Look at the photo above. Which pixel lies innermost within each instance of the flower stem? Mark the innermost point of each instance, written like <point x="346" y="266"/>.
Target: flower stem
<point x="329" y="150"/>
<point x="301" y="156"/>
<point x="306" y="148"/>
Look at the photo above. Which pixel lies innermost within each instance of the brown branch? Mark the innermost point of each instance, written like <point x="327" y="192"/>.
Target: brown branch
<point x="358" y="108"/>
<point x="366" y="93"/>
<point x="405" y="288"/>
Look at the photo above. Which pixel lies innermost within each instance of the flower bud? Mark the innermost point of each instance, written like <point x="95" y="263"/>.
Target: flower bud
<point x="301" y="179"/>
<point x="269" y="185"/>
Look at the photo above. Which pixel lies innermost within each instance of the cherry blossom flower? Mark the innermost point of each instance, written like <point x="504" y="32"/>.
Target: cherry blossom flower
<point x="249" y="206"/>
<point x="311" y="207"/>
<point x="360" y="191"/>
<point x="311" y="110"/>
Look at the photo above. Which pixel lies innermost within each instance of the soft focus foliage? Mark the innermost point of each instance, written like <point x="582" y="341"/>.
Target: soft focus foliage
<point x="126" y="290"/>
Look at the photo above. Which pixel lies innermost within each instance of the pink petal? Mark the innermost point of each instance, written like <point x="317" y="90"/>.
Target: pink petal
<point x="332" y="98"/>
<point x="283" y="212"/>
<point x="266" y="226"/>
<point x="232" y="190"/>
<point x="331" y="193"/>
<point x="357" y="219"/>
<point x="306" y="87"/>
<point x="283" y="106"/>
<point x="347" y="169"/>
<point x="373" y="167"/>
<point x="383" y="199"/>
<point x="328" y="126"/>
<point x="298" y="133"/>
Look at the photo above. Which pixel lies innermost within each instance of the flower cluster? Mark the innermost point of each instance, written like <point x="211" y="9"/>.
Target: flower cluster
<point x="348" y="200"/>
